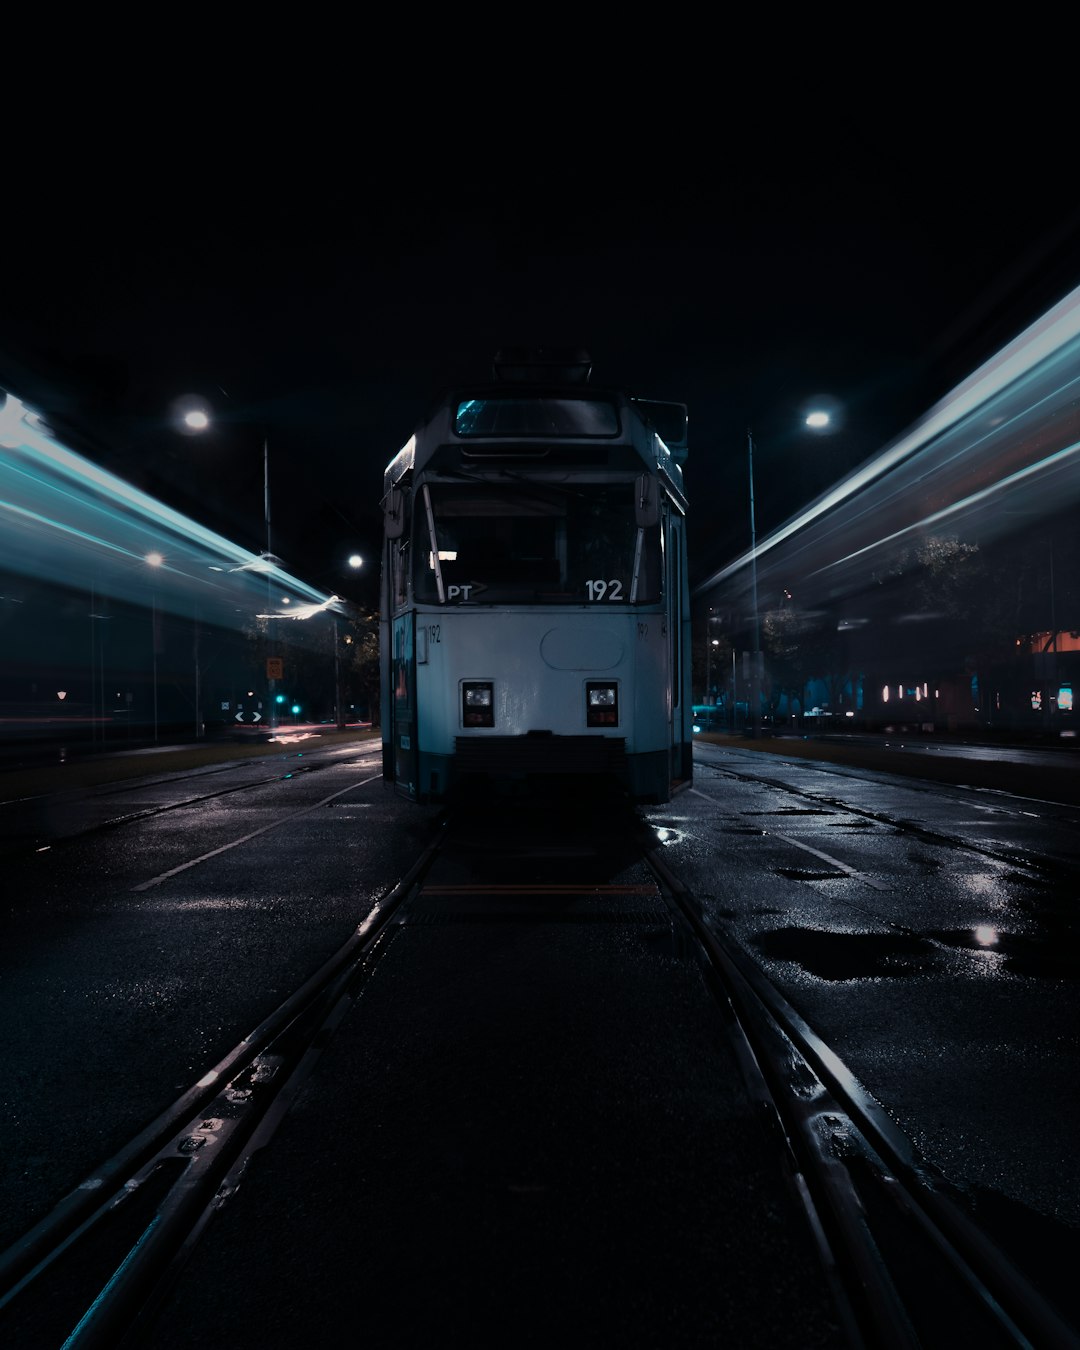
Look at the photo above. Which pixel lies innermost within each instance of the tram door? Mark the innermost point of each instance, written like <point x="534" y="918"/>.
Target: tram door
<point x="403" y="707"/>
<point x="399" y="665"/>
<point x="679" y="626"/>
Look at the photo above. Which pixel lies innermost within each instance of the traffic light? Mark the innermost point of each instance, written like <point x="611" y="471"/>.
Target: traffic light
<point x="280" y="698"/>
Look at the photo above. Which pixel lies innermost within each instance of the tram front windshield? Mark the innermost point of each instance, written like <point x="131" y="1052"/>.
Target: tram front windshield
<point x="529" y="543"/>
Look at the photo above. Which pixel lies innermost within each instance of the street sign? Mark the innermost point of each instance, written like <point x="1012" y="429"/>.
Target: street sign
<point x="273" y="667"/>
<point x="255" y="716"/>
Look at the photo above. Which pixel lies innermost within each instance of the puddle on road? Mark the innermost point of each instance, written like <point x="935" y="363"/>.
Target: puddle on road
<point x="848" y="956"/>
<point x="791" y="811"/>
<point x="862" y="956"/>
<point x="1043" y="956"/>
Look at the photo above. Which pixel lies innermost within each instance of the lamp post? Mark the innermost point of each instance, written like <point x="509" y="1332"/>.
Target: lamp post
<point x="271" y="624"/>
<point x="711" y="692"/>
<point x="708" y="665"/>
<point x="197" y="419"/>
<point x="199" y="728"/>
<point x="734" y="690"/>
<point x="755" y="668"/>
<point x="818" y="419"/>
<point x="154" y="559"/>
<point x="355" y="564"/>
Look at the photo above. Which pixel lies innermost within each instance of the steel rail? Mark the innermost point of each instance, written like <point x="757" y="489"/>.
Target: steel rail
<point x="831" y="1118"/>
<point x="204" y="1135"/>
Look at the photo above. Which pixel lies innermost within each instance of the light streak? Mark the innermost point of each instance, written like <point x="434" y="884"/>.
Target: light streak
<point x="1025" y="387"/>
<point x="69" y="521"/>
<point x="976" y="498"/>
<point x="303" y="611"/>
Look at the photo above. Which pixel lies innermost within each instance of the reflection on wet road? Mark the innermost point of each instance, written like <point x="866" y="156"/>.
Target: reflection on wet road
<point x="928" y="932"/>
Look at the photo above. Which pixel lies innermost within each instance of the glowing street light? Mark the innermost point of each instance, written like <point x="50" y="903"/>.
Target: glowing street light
<point x="154" y="559"/>
<point x="755" y="669"/>
<point x="710" y="643"/>
<point x="197" y="419"/>
<point x="817" y="419"/>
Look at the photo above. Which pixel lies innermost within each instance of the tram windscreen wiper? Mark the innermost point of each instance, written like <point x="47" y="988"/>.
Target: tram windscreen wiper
<point x="436" y="564"/>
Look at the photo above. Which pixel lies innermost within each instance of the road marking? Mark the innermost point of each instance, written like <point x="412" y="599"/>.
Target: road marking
<point x="145" y="885"/>
<point x="825" y="857"/>
<point x="834" y="862"/>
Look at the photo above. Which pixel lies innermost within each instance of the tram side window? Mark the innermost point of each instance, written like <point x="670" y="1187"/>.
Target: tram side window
<point x="400" y="570"/>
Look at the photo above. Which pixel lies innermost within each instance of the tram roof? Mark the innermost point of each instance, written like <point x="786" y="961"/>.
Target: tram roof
<point x="488" y="426"/>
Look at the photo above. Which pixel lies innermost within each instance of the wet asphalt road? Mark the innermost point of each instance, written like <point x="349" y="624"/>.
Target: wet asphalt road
<point x="928" y="933"/>
<point x="533" y="1131"/>
<point x="542" y="1106"/>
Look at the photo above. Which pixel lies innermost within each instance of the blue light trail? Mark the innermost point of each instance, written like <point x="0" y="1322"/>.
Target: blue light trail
<point x="65" y="520"/>
<point x="1010" y="433"/>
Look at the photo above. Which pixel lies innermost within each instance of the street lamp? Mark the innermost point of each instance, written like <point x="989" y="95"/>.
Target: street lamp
<point x="710" y="696"/>
<point x="755" y="669"/>
<point x="818" y="419"/>
<point x="154" y="559"/>
<point x="197" y="419"/>
<point x="355" y="562"/>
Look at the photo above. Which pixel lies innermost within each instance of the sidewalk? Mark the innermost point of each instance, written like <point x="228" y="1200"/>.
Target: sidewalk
<point x="31" y="772"/>
<point x="1038" y="770"/>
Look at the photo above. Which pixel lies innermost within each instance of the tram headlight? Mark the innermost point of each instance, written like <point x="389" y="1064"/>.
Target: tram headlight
<point x="478" y="703"/>
<point x="601" y="704"/>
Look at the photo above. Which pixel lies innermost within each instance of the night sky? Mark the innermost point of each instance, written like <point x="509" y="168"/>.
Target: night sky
<point x="327" y="319"/>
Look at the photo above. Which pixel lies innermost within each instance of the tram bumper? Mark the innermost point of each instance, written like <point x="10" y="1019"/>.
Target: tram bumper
<point x="541" y="754"/>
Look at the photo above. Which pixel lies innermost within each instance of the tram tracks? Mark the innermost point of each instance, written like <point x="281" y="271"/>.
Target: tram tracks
<point x="909" y="1266"/>
<point x="94" y="1268"/>
<point x="906" y="1265"/>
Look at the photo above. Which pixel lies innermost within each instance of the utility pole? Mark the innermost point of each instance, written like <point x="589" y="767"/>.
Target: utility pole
<point x="271" y="623"/>
<point x="756" y="663"/>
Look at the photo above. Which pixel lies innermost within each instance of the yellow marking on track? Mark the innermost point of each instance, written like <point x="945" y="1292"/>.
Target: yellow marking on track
<point x="511" y="889"/>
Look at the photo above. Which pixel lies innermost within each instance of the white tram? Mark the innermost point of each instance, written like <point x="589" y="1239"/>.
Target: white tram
<point x="535" y="606"/>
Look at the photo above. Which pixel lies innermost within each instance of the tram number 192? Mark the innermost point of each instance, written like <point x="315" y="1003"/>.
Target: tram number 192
<point x="604" y="590"/>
